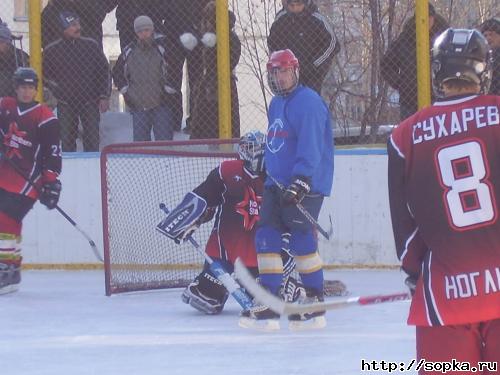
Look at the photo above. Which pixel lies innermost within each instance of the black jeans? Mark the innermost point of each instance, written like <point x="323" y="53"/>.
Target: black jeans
<point x="70" y="115"/>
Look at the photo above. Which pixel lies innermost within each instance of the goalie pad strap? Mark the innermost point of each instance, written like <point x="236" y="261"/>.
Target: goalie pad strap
<point x="184" y="216"/>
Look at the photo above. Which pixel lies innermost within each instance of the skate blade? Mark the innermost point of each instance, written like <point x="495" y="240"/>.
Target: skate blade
<point x="264" y="325"/>
<point x="318" y="322"/>
<point x="9" y="289"/>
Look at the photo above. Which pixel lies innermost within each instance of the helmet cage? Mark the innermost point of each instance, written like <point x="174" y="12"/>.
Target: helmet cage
<point x="279" y="62"/>
<point x="251" y="149"/>
<point x="274" y="83"/>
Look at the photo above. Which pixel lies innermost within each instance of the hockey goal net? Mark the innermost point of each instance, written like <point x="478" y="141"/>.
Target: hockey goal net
<point x="135" y="179"/>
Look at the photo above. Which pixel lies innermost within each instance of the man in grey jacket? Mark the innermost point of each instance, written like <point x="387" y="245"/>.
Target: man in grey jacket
<point x="141" y="76"/>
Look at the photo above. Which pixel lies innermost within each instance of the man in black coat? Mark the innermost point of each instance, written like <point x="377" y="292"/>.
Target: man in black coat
<point x="77" y="73"/>
<point x="399" y="64"/>
<point x="309" y="34"/>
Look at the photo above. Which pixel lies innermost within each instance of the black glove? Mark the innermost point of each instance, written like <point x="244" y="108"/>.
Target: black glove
<point x="411" y="283"/>
<point x="296" y="191"/>
<point x="49" y="194"/>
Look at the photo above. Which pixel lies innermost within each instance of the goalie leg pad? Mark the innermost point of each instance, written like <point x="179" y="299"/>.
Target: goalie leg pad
<point x="206" y="294"/>
<point x="10" y="263"/>
<point x="184" y="218"/>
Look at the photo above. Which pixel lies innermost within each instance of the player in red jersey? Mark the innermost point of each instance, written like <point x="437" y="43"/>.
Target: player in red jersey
<point x="444" y="192"/>
<point x="233" y="193"/>
<point x="31" y="149"/>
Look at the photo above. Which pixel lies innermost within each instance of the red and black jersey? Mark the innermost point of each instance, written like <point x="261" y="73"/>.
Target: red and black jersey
<point x="31" y="141"/>
<point x="237" y="194"/>
<point x="444" y="188"/>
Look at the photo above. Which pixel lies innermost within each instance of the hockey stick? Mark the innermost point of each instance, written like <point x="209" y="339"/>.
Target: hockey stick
<point x="59" y="209"/>
<point x="284" y="308"/>
<point x="306" y="213"/>
<point x="243" y="299"/>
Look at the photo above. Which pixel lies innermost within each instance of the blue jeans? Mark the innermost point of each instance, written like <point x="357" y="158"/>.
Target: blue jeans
<point x="158" y="119"/>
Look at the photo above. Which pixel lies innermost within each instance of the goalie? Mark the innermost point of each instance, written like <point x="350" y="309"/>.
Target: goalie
<point x="233" y="193"/>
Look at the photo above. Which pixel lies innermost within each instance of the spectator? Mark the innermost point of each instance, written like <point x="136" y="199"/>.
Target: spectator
<point x="181" y="20"/>
<point x="10" y="59"/>
<point x="399" y="64"/>
<point x="77" y="73"/>
<point x="128" y="10"/>
<point x="142" y="76"/>
<point x="90" y="12"/>
<point x="205" y="123"/>
<point x="309" y="35"/>
<point x="491" y="31"/>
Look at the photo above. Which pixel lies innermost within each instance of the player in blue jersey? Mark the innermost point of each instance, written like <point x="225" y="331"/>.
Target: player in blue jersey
<point x="299" y="157"/>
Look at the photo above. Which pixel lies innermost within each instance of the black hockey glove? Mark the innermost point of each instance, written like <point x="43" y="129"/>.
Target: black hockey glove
<point x="296" y="191"/>
<point x="411" y="283"/>
<point x="49" y="194"/>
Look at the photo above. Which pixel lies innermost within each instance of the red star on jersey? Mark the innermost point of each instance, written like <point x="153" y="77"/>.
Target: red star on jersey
<point x="249" y="208"/>
<point x="13" y="140"/>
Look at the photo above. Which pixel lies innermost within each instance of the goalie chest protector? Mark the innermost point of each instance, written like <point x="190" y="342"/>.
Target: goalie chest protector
<point x="237" y="216"/>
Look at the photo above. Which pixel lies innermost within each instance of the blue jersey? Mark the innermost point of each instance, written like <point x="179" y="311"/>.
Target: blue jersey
<point x="300" y="140"/>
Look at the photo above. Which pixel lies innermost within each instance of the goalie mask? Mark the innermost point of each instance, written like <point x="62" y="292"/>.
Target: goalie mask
<point x="461" y="54"/>
<point x="251" y="150"/>
<point x="283" y="72"/>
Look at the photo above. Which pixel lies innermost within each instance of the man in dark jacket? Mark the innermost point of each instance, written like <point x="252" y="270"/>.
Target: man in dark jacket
<point x="491" y="31"/>
<point x="10" y="59"/>
<point x="77" y="73"/>
<point x="309" y="35"/>
<point x="90" y="12"/>
<point x="399" y="64"/>
<point x="181" y="23"/>
<point x="205" y="114"/>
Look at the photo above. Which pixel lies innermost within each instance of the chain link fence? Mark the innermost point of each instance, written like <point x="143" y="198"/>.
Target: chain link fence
<point x="110" y="81"/>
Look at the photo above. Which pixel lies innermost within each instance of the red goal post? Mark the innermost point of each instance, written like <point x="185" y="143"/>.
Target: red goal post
<point x="135" y="179"/>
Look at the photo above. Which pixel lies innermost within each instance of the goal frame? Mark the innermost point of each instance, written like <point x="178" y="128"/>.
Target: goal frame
<point x="156" y="148"/>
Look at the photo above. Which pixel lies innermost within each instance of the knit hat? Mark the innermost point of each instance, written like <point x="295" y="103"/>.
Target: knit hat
<point x="143" y="23"/>
<point x="67" y="18"/>
<point x="5" y="34"/>
<point x="493" y="24"/>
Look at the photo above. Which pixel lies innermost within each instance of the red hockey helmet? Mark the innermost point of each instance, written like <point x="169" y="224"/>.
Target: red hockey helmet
<point x="283" y="72"/>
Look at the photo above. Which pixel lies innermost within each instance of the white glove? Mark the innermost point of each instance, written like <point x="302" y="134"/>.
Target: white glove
<point x="187" y="232"/>
<point x="189" y="41"/>
<point x="209" y="40"/>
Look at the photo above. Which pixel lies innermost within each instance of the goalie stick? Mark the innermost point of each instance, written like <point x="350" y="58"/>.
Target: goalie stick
<point x="284" y="308"/>
<point x="306" y="213"/>
<point x="242" y="297"/>
<point x="59" y="209"/>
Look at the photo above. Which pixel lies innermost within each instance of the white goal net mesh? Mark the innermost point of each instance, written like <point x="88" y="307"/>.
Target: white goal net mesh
<point x="136" y="178"/>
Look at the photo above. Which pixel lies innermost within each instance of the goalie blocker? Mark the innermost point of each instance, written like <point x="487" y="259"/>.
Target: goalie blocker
<point x="183" y="220"/>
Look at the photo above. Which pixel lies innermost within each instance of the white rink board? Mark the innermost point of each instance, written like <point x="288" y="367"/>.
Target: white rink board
<point x="359" y="209"/>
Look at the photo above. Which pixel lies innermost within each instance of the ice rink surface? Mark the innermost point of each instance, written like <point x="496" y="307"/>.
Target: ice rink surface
<point x="60" y="322"/>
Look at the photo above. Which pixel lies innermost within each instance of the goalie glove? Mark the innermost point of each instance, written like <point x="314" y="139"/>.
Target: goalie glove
<point x="296" y="191"/>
